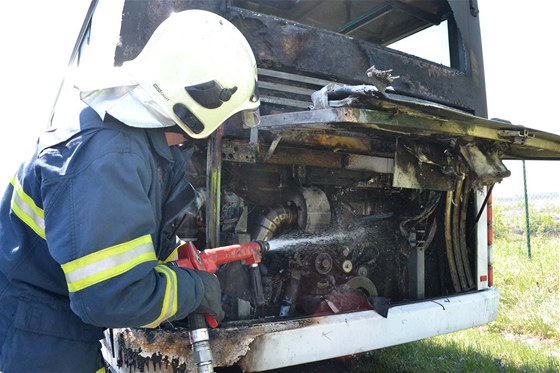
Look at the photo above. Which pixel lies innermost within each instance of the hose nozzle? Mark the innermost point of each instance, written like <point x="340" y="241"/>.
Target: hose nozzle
<point x="264" y="245"/>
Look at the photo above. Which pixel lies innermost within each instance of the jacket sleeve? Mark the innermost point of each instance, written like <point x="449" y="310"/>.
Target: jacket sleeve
<point x="101" y="226"/>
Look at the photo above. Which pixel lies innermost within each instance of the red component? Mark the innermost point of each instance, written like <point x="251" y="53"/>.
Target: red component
<point x="483" y="278"/>
<point x="339" y="300"/>
<point x="189" y="257"/>
<point x="211" y="321"/>
<point x="208" y="260"/>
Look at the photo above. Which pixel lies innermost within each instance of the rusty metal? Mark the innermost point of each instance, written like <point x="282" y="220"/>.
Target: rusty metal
<point x="169" y="350"/>
<point x="415" y="170"/>
<point x="335" y="142"/>
<point x="242" y="152"/>
<point x="406" y="121"/>
<point x="272" y="148"/>
<point x="516" y="136"/>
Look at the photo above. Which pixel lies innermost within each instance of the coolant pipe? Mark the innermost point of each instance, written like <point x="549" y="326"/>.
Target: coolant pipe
<point x="269" y="224"/>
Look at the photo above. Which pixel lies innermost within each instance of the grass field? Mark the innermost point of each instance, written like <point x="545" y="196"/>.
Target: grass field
<point x="526" y="335"/>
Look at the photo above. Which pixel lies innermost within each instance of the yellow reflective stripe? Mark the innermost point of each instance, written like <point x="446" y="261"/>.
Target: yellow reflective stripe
<point x="100" y="370"/>
<point x="173" y="256"/>
<point x="108" y="263"/>
<point x="25" y="208"/>
<point x="169" y="307"/>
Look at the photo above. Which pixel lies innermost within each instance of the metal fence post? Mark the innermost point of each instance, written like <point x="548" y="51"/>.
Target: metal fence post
<point x="527" y="225"/>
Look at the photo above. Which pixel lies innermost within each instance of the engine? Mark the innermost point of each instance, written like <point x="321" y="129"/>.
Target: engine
<point x="348" y="234"/>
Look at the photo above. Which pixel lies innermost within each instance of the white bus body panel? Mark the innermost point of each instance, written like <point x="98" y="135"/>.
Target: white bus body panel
<point x="347" y="334"/>
<point x="279" y="344"/>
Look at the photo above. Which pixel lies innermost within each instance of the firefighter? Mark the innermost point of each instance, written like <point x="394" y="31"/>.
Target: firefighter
<point x="87" y="224"/>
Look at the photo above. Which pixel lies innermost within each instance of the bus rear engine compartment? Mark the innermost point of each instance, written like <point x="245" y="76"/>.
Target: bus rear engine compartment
<point x="347" y="231"/>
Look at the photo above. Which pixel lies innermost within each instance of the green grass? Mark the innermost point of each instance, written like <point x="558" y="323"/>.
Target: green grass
<point x="526" y="334"/>
<point x="530" y="296"/>
<point x="474" y="350"/>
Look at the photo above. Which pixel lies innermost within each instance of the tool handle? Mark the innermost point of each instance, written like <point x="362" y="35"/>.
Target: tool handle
<point x="197" y="321"/>
<point x="211" y="321"/>
<point x="200" y="321"/>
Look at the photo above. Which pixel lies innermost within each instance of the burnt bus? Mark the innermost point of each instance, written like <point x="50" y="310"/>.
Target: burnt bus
<point x="369" y="176"/>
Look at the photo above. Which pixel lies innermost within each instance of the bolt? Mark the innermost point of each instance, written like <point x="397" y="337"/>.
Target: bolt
<point x="362" y="271"/>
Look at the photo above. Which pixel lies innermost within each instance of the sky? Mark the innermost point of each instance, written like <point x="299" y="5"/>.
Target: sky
<point x="521" y="68"/>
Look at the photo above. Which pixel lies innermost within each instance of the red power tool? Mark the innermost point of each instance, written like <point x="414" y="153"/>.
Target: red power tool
<point x="208" y="260"/>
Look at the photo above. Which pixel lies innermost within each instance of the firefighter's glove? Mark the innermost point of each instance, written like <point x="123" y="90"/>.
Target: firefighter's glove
<point x="211" y="303"/>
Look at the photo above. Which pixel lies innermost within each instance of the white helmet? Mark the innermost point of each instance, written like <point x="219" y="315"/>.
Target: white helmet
<point x="196" y="71"/>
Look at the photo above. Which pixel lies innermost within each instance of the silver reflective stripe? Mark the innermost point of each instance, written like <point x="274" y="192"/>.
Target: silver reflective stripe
<point x="25" y="208"/>
<point x="108" y="263"/>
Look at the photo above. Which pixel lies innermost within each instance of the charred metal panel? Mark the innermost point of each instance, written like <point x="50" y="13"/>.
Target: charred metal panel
<point x="465" y="45"/>
<point x="285" y="45"/>
<point x="378" y="21"/>
<point x="305" y="50"/>
<point x="238" y="151"/>
<point x="487" y="166"/>
<point x="513" y="140"/>
<point x="169" y="350"/>
<point x="419" y="166"/>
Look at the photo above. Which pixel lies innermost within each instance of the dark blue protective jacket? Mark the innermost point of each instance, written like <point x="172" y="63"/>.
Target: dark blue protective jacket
<point x="86" y="243"/>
